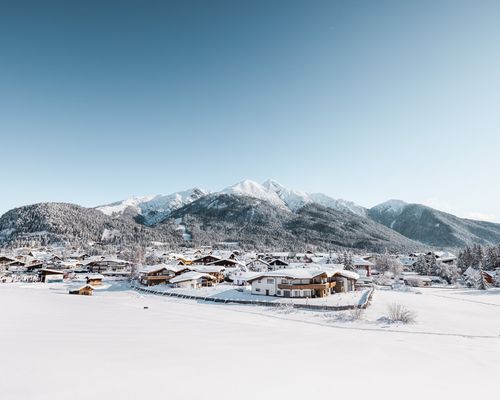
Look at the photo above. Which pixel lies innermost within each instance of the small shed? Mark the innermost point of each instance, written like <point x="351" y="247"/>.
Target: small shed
<point x="86" y="290"/>
<point x="95" y="280"/>
<point x="51" y="275"/>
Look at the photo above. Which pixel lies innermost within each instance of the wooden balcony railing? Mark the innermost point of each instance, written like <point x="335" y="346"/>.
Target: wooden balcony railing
<point x="311" y="286"/>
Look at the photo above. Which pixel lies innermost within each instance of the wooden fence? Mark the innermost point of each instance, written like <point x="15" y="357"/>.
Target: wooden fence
<point x="364" y="303"/>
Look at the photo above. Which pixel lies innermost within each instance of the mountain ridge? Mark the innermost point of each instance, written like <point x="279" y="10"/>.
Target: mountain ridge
<point x="287" y="216"/>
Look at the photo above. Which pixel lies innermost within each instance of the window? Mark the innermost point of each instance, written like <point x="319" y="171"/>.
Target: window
<point x="296" y="293"/>
<point x="279" y="293"/>
<point x="284" y="281"/>
<point x="270" y="281"/>
<point x="257" y="289"/>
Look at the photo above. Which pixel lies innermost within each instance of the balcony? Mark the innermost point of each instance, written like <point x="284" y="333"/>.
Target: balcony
<point x="156" y="278"/>
<point x="310" y="286"/>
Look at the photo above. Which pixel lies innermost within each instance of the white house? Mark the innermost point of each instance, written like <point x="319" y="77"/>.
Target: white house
<point x="277" y="264"/>
<point x="258" y="265"/>
<point x="240" y="278"/>
<point x="193" y="279"/>
<point x="302" y="282"/>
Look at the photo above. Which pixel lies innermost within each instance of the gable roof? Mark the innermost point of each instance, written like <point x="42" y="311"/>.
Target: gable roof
<point x="211" y="268"/>
<point x="278" y="261"/>
<point x="258" y="260"/>
<point x="305" y="273"/>
<point x="190" y="276"/>
<point x="94" y="276"/>
<point x="294" y="273"/>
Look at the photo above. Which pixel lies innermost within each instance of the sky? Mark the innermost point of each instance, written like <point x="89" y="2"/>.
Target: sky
<point x="361" y="100"/>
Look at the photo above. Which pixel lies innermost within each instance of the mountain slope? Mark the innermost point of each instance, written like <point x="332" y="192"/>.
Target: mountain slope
<point x="46" y="223"/>
<point x="256" y="223"/>
<point x="433" y="227"/>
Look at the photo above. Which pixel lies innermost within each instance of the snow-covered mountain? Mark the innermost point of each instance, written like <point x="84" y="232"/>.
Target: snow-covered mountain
<point x="249" y="188"/>
<point x="433" y="227"/>
<point x="153" y="209"/>
<point x="259" y="224"/>
<point x="291" y="199"/>
<point x="295" y="199"/>
<point x="393" y="207"/>
<point x="266" y="215"/>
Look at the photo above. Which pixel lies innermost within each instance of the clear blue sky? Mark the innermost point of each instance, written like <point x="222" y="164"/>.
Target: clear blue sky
<point x="362" y="100"/>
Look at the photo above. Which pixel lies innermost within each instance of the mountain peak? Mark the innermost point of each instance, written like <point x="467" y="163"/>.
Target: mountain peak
<point x="256" y="190"/>
<point x="393" y="205"/>
<point x="273" y="185"/>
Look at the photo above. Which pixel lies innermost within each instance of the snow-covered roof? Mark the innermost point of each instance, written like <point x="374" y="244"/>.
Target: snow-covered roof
<point x="208" y="268"/>
<point x="222" y="253"/>
<point x="295" y="273"/>
<point x="472" y="272"/>
<point x="42" y="255"/>
<point x="147" y="269"/>
<point x="318" y="259"/>
<point x="360" y="262"/>
<point x="306" y="273"/>
<point x="105" y="260"/>
<point x="54" y="271"/>
<point x="243" y="275"/>
<point x="347" y="274"/>
<point x="190" y="276"/>
<point x="229" y="261"/>
<point x="278" y="260"/>
<point x="258" y="260"/>
<point x="82" y="287"/>
<point x="95" y="276"/>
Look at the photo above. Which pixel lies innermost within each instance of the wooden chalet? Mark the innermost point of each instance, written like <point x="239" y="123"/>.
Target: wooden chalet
<point x="151" y="275"/>
<point x="225" y="263"/>
<point x="217" y="271"/>
<point x="34" y="266"/>
<point x="208" y="259"/>
<point x="4" y="260"/>
<point x="362" y="264"/>
<point x="95" y="280"/>
<point x="258" y="265"/>
<point x="79" y="256"/>
<point x="86" y="290"/>
<point x="155" y="275"/>
<point x="51" y="275"/>
<point x="193" y="279"/>
<point x="184" y="261"/>
<point x="16" y="263"/>
<point x="101" y="264"/>
<point x="276" y="264"/>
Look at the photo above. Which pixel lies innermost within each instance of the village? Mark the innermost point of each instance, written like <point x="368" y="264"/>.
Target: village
<point x="310" y="279"/>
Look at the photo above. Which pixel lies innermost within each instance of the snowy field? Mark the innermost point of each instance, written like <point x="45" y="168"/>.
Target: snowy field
<point x="108" y="346"/>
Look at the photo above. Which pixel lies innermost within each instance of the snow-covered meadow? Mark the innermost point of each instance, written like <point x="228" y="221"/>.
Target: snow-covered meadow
<point x="109" y="346"/>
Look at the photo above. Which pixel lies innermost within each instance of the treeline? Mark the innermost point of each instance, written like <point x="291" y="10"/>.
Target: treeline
<point x="479" y="257"/>
<point x="48" y="223"/>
